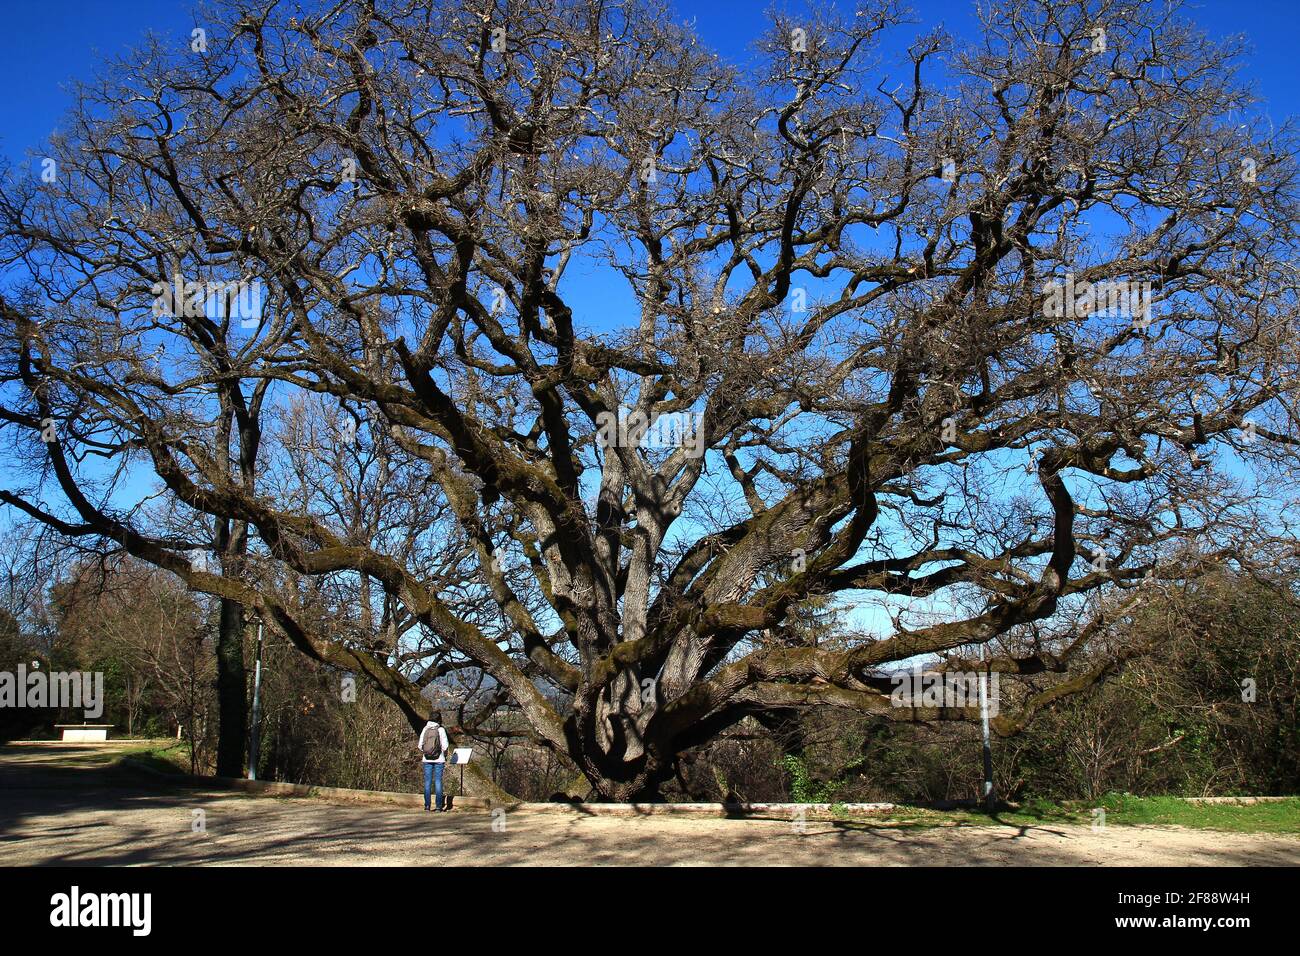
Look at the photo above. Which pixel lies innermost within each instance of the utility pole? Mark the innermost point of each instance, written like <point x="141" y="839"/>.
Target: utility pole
<point x="255" y="735"/>
<point x="984" y="720"/>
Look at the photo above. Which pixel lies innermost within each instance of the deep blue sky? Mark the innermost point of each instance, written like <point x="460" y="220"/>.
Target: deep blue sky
<point x="44" y="44"/>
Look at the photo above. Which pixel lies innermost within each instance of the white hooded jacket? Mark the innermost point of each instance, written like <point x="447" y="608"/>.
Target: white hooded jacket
<point x="442" y="740"/>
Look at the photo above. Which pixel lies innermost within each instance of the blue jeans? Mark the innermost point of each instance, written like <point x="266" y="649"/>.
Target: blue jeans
<point x="433" y="779"/>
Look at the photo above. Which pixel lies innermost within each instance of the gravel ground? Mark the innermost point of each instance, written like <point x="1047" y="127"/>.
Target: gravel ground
<point x="62" y="806"/>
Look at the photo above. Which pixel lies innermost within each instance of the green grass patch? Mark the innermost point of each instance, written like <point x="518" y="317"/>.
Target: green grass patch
<point x="1276" y="816"/>
<point x="170" y="758"/>
<point x="1281" y="816"/>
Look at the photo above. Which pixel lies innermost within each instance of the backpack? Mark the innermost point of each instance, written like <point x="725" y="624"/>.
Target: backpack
<point x="432" y="747"/>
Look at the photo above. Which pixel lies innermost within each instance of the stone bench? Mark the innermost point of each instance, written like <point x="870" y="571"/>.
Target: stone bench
<point x="84" y="733"/>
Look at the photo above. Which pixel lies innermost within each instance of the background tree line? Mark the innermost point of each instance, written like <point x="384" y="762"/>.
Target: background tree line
<point x="1214" y="709"/>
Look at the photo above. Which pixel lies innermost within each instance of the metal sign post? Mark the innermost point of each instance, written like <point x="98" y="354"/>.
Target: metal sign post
<point x="984" y="720"/>
<point x="256" y="737"/>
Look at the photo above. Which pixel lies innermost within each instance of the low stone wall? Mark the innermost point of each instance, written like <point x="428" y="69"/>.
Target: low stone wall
<point x="782" y="811"/>
<point x="273" y="788"/>
<point x="1241" y="801"/>
<point x="118" y="743"/>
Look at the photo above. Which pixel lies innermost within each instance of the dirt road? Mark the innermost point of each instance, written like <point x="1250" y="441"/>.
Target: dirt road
<point x="68" y="806"/>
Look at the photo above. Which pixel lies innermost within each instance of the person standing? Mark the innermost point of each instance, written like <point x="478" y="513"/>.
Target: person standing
<point x="433" y="754"/>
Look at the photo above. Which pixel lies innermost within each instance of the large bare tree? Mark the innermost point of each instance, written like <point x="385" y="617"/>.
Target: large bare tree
<point x="983" y="334"/>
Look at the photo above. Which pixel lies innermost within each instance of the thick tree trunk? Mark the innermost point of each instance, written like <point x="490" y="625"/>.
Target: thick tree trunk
<point x="231" y="690"/>
<point x="239" y="416"/>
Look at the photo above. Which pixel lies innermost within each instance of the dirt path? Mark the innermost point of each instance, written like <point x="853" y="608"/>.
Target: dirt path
<point x="61" y="806"/>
